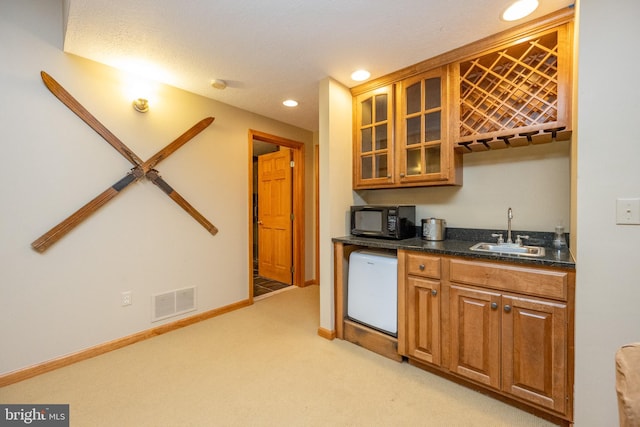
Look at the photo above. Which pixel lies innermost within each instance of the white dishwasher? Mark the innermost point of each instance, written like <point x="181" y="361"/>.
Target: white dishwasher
<point x="372" y="289"/>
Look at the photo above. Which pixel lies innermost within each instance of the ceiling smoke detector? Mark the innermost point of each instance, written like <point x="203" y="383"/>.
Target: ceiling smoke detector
<point x="218" y="84"/>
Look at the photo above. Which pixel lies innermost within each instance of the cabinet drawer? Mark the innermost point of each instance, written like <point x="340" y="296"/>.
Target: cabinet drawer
<point x="531" y="281"/>
<point x="423" y="265"/>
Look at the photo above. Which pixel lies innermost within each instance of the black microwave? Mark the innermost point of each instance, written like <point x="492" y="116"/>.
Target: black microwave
<point x="387" y="222"/>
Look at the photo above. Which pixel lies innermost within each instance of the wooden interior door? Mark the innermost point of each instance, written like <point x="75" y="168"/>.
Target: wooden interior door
<point x="274" y="216"/>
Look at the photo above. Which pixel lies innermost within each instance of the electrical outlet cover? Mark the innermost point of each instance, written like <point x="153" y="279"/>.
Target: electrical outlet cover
<point x="628" y="211"/>
<point x="126" y="298"/>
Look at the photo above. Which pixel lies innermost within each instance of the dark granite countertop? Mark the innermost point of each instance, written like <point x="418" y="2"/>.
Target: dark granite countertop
<point x="458" y="242"/>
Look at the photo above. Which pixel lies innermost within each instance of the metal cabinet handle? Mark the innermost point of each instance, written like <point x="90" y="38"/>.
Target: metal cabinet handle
<point x="507" y="308"/>
<point x="401" y="175"/>
<point x="434" y="292"/>
<point x="421" y="267"/>
<point x="494" y="305"/>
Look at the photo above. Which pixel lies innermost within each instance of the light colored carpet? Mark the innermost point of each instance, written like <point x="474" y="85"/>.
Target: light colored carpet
<point x="263" y="365"/>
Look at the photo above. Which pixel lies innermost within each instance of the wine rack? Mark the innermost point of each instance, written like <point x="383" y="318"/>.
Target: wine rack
<point x="513" y="96"/>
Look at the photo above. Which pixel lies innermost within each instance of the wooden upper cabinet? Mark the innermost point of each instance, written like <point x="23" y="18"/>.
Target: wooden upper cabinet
<point x="373" y="157"/>
<point x="408" y="145"/>
<point x="423" y="144"/>
<point x="516" y="94"/>
<point x="507" y="90"/>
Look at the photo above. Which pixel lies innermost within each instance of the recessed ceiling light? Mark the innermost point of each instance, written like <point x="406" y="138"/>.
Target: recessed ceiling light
<point x="360" y="75"/>
<point x="519" y="9"/>
<point x="290" y="103"/>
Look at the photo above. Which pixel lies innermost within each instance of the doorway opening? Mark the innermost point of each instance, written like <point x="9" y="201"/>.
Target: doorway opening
<point x="276" y="203"/>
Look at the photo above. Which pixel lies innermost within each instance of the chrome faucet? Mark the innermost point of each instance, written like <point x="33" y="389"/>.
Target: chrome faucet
<point x="509" y="218"/>
<point x="509" y="241"/>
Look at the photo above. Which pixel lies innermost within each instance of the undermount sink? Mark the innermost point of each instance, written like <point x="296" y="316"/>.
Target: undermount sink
<point x="509" y="248"/>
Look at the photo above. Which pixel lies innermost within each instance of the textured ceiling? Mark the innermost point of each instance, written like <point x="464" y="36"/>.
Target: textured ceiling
<point x="270" y="50"/>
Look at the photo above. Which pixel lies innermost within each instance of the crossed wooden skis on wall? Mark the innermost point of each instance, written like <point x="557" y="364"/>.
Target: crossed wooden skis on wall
<point x="140" y="169"/>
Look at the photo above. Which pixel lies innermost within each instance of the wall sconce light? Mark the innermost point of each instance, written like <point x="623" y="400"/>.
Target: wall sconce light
<point x="141" y="105"/>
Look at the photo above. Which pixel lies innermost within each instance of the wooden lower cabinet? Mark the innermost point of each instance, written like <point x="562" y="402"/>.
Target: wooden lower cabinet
<point x="534" y="351"/>
<point x="422" y="295"/>
<point x="510" y="343"/>
<point x="474" y="334"/>
<point x="423" y="319"/>
<point x="504" y="327"/>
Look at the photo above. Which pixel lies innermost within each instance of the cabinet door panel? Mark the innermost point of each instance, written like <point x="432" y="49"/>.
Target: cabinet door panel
<point x="423" y="128"/>
<point x="423" y="311"/>
<point x="534" y="351"/>
<point x="373" y="145"/>
<point x="475" y="334"/>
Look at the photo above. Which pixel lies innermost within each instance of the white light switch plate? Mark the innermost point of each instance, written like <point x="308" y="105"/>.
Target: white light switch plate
<point x="628" y="211"/>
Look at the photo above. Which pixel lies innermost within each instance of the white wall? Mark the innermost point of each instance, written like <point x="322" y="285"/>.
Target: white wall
<point x="608" y="274"/>
<point x="335" y="184"/>
<point x="533" y="181"/>
<point x="68" y="298"/>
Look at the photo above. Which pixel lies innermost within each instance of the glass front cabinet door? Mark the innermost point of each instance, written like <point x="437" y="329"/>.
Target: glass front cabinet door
<point x="373" y="149"/>
<point x="424" y="152"/>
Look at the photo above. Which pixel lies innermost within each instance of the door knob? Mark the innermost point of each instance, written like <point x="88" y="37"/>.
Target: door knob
<point x="434" y="292"/>
<point x="507" y="308"/>
<point x="494" y="305"/>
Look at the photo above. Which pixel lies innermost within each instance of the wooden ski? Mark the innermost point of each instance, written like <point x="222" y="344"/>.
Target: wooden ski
<point x="65" y="97"/>
<point x="53" y="235"/>
<point x="141" y="169"/>
<point x="73" y="104"/>
<point x="154" y="177"/>
<point x="177" y="143"/>
<point x="57" y="232"/>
